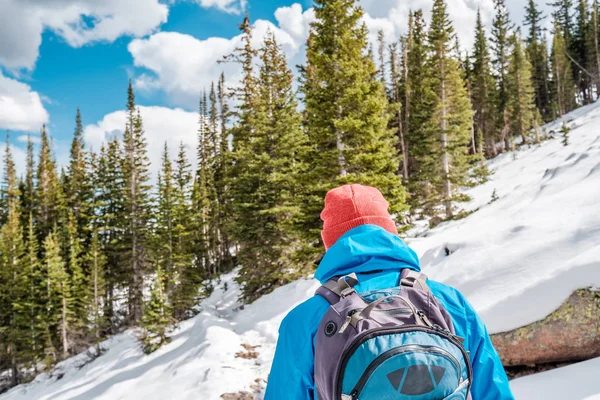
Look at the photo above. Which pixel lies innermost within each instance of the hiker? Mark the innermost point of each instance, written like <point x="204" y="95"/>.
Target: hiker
<point x="377" y="328"/>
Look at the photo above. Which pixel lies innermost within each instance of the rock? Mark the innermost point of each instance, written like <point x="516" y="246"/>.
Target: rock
<point x="238" y="396"/>
<point x="569" y="334"/>
<point x="435" y="221"/>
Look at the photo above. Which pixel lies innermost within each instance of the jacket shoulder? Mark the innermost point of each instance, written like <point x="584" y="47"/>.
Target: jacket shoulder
<point x="305" y="317"/>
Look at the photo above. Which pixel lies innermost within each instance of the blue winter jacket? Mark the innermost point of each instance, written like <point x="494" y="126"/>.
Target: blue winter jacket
<point x="369" y="248"/>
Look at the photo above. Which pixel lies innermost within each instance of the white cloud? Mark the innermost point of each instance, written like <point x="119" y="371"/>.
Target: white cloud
<point x="20" y="108"/>
<point x="184" y="66"/>
<point x="160" y="124"/>
<point x="229" y="6"/>
<point x="79" y="22"/>
<point x="25" y="139"/>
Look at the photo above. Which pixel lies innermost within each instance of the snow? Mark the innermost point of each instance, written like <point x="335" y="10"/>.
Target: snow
<point x="516" y="259"/>
<point x="578" y="381"/>
<point x="199" y="363"/>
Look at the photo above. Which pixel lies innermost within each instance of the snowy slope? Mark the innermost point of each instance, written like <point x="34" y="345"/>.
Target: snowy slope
<point x="515" y="259"/>
<point x="519" y="258"/>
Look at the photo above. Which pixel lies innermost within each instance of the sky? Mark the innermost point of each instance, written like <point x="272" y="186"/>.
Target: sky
<point x="57" y="55"/>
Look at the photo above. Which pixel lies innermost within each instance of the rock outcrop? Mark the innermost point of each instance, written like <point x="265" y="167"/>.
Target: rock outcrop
<point x="569" y="334"/>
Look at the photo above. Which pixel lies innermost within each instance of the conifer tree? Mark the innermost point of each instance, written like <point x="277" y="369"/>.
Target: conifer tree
<point x="96" y="289"/>
<point x="417" y="102"/>
<point x="183" y="293"/>
<point x="49" y="198"/>
<point x="381" y="57"/>
<point x="13" y="282"/>
<point x="521" y="94"/>
<point x="501" y="31"/>
<point x="201" y="195"/>
<point x="110" y="220"/>
<point x="77" y="285"/>
<point x="594" y="45"/>
<point x="537" y="51"/>
<point x="27" y="185"/>
<point x="59" y="294"/>
<point x="562" y="77"/>
<point x="78" y="186"/>
<point x="268" y="212"/>
<point x="451" y="122"/>
<point x="563" y="18"/>
<point x="36" y="296"/>
<point x="137" y="205"/>
<point x="483" y="91"/>
<point x="222" y="164"/>
<point x="396" y="121"/>
<point x="345" y="111"/>
<point x="582" y="52"/>
<point x="157" y="319"/>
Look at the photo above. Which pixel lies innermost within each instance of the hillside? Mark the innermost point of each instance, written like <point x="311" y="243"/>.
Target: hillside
<point x="516" y="259"/>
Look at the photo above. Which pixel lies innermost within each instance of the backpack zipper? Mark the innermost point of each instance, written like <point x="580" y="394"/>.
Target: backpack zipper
<point x="358" y="340"/>
<point x="394" y="352"/>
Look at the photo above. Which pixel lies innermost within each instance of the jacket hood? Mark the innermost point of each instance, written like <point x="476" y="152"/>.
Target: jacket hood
<point x="366" y="248"/>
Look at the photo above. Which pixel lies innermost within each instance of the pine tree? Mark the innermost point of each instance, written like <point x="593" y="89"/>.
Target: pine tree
<point x="381" y="57"/>
<point x="562" y="77"/>
<point x="582" y="53"/>
<point x="111" y="222"/>
<point x="521" y="105"/>
<point x="451" y="122"/>
<point x="13" y="282"/>
<point x="96" y="289"/>
<point x="396" y="121"/>
<point x="345" y="108"/>
<point x="268" y="212"/>
<point x="483" y="91"/>
<point x="157" y="319"/>
<point x="594" y="46"/>
<point x="563" y="17"/>
<point x="49" y="198"/>
<point x="137" y="205"/>
<point x="501" y="50"/>
<point x="221" y="171"/>
<point x="537" y="52"/>
<point x="418" y="100"/>
<point x="27" y="186"/>
<point x="78" y="187"/>
<point x="565" y="134"/>
<point x="165" y="220"/>
<point x="59" y="294"/>
<point x="201" y="195"/>
<point x="184" y="290"/>
<point x="78" y="308"/>
<point x="36" y="297"/>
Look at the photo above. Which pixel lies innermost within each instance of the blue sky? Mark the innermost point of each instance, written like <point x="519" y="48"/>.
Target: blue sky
<point x="94" y="77"/>
<point x="56" y="55"/>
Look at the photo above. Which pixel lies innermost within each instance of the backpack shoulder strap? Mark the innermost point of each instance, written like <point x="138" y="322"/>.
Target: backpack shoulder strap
<point x="411" y="278"/>
<point x="336" y="288"/>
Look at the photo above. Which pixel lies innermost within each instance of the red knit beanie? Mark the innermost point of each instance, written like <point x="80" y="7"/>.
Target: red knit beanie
<point x="350" y="206"/>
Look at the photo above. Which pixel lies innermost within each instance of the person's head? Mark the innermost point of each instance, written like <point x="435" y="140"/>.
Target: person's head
<point x="350" y="206"/>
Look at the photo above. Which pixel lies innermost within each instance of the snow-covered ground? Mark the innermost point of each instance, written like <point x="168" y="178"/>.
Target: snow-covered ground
<point x="516" y="259"/>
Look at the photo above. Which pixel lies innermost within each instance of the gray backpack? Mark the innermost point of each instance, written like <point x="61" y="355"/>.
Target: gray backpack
<point x="393" y="344"/>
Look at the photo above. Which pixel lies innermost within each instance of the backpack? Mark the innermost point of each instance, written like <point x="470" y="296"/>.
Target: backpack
<point x="392" y="344"/>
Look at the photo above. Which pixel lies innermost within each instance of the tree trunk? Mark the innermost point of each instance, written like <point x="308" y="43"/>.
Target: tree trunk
<point x="405" y="132"/>
<point x="597" y="50"/>
<point x="445" y="155"/>
<point x="340" y="148"/>
<point x="65" y="340"/>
